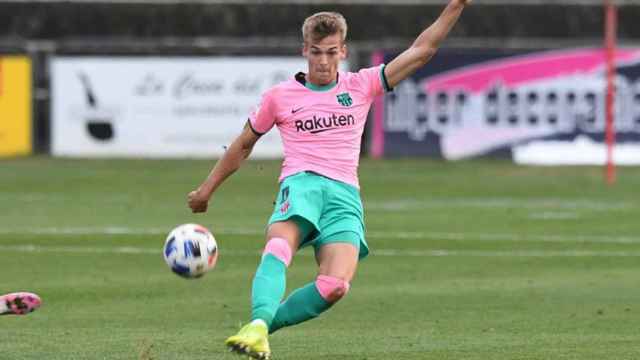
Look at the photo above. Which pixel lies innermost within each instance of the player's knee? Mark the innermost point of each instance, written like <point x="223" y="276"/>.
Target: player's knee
<point x="279" y="248"/>
<point x="331" y="288"/>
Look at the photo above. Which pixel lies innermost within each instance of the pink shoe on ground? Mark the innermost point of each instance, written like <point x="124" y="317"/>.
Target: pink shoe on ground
<point x="20" y="303"/>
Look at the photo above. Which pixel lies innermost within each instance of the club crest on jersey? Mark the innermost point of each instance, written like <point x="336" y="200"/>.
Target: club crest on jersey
<point x="284" y="207"/>
<point x="344" y="99"/>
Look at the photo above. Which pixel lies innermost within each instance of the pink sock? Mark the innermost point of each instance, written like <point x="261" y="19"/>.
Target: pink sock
<point x="329" y="287"/>
<point x="279" y="248"/>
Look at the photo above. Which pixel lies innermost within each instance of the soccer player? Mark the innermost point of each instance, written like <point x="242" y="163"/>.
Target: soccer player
<point x="19" y="303"/>
<point x="321" y="115"/>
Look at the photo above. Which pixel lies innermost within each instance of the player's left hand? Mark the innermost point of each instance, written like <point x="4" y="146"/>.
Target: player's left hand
<point x="463" y="2"/>
<point x="198" y="202"/>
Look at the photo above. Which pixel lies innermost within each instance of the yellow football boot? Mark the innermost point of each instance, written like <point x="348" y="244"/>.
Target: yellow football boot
<point x="252" y="340"/>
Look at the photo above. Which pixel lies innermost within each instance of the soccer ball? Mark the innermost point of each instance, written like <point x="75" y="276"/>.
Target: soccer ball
<point x="190" y="250"/>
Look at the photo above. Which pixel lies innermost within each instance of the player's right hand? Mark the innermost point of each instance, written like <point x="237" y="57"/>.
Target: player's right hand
<point x="198" y="202"/>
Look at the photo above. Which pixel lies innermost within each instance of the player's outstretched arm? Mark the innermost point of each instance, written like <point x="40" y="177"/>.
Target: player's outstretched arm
<point x="231" y="161"/>
<point x="425" y="45"/>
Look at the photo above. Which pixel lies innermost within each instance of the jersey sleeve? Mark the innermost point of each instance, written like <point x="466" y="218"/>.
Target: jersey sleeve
<point x="263" y="117"/>
<point x="373" y="80"/>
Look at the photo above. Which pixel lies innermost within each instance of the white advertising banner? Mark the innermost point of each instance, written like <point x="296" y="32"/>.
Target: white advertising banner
<point x="160" y="106"/>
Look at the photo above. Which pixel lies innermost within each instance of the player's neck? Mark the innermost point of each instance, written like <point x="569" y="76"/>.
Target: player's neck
<point x="315" y="85"/>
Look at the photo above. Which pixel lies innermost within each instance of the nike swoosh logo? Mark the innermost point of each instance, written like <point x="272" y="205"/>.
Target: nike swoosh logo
<point x="293" y="111"/>
<point x="322" y="130"/>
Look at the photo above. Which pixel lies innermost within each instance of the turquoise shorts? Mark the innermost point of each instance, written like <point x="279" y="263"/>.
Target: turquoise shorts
<point x="326" y="210"/>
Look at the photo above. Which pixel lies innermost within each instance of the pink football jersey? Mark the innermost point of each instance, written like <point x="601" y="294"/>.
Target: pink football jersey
<point x="321" y="130"/>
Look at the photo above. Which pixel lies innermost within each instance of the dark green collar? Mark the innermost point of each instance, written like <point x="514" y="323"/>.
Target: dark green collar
<point x="315" y="87"/>
<point x="301" y="79"/>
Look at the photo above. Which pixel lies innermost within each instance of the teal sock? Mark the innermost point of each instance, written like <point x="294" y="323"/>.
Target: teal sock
<point x="268" y="288"/>
<point x="303" y="304"/>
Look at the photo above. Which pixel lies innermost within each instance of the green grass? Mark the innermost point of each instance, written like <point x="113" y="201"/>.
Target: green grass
<point x="472" y="260"/>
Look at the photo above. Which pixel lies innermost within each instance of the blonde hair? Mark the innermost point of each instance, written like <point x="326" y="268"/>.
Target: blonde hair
<point x="320" y="25"/>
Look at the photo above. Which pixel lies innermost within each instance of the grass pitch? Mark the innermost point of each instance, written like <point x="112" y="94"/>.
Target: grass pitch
<point x="480" y="260"/>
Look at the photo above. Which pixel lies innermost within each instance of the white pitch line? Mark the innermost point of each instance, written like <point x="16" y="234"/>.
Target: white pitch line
<point x="554" y="215"/>
<point x="397" y="204"/>
<point x="417" y="235"/>
<point x="515" y="253"/>
<point x="377" y="253"/>
<point x="111" y="230"/>
<point x="81" y="249"/>
<point x="553" y="238"/>
<point x="497" y="203"/>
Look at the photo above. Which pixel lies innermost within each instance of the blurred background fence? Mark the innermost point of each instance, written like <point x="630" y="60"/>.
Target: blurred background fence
<point x="512" y="74"/>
